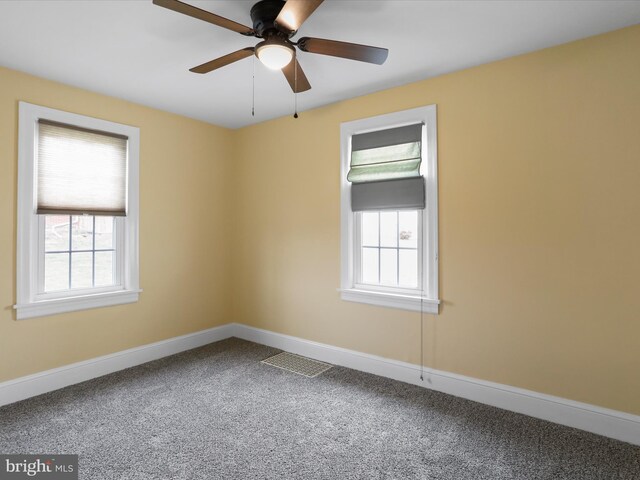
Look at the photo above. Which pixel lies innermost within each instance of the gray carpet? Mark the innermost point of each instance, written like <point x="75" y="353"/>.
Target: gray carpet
<point x="217" y="413"/>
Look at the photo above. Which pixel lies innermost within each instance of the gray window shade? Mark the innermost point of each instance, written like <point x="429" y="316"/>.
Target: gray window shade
<point x="80" y="171"/>
<point x="390" y="194"/>
<point x="385" y="169"/>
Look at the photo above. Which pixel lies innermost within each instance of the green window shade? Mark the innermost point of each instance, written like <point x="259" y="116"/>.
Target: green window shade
<point x="386" y="154"/>
<point x="385" y="169"/>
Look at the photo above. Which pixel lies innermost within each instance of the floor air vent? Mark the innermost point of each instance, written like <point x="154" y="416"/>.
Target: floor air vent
<point x="297" y="364"/>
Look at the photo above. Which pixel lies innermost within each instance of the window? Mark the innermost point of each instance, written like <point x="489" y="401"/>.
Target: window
<point x="77" y="212"/>
<point x="389" y="210"/>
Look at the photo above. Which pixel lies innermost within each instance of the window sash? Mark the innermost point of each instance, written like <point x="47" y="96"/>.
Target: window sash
<point x="357" y="259"/>
<point x="118" y="251"/>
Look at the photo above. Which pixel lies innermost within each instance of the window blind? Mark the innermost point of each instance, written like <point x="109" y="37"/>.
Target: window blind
<point x="80" y="171"/>
<point x="385" y="169"/>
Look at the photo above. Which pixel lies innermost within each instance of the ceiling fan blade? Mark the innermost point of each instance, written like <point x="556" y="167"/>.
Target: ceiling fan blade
<point x="222" y="61"/>
<point x="295" y="12"/>
<point x="296" y="77"/>
<point x="196" y="12"/>
<point x="353" y="51"/>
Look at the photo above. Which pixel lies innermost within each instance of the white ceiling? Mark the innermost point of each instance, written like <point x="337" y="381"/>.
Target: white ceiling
<point x="137" y="51"/>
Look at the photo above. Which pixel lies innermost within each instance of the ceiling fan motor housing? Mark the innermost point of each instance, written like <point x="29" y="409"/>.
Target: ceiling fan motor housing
<point x="264" y="14"/>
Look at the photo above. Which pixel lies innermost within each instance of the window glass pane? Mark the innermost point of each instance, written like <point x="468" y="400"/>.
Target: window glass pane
<point x="82" y="232"/>
<point x="370" y="229"/>
<point x="408" y="227"/>
<point x="56" y="271"/>
<point x="82" y="270"/>
<point x="408" y="268"/>
<point x="370" y="265"/>
<point x="389" y="229"/>
<point x="56" y="236"/>
<point x="104" y="232"/>
<point x="104" y="268"/>
<point x="388" y="266"/>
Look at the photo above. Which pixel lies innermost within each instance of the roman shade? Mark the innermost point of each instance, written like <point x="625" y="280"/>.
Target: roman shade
<point x="385" y="169"/>
<point x="389" y="194"/>
<point x="80" y="171"/>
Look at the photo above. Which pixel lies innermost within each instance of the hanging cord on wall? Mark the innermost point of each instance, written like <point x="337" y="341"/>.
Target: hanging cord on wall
<point x="253" y="88"/>
<point x="295" y="86"/>
<point x="422" y="318"/>
<point x="421" y="342"/>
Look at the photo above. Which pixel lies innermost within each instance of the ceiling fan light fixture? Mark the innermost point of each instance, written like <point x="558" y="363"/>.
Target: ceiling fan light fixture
<point x="274" y="55"/>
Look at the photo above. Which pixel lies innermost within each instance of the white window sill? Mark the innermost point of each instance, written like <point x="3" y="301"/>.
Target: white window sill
<point x="43" y="308"/>
<point x="393" y="300"/>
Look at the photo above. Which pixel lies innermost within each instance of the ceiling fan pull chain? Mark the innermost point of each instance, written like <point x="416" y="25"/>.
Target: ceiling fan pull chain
<point x="295" y="84"/>
<point x="253" y="88"/>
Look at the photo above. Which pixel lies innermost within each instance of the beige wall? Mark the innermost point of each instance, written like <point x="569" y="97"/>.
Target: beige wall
<point x="184" y="225"/>
<point x="539" y="160"/>
<point x="539" y="169"/>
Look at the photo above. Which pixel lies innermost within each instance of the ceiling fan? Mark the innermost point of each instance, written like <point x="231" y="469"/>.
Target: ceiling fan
<point x="276" y="21"/>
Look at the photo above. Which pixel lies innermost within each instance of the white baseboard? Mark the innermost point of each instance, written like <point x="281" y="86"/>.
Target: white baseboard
<point x="602" y="421"/>
<point x="49" y="380"/>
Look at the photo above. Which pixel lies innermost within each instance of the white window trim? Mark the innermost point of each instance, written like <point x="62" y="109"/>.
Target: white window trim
<point x="29" y="303"/>
<point x="428" y="302"/>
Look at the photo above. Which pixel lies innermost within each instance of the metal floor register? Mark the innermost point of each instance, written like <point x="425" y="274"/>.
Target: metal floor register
<point x="297" y="364"/>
